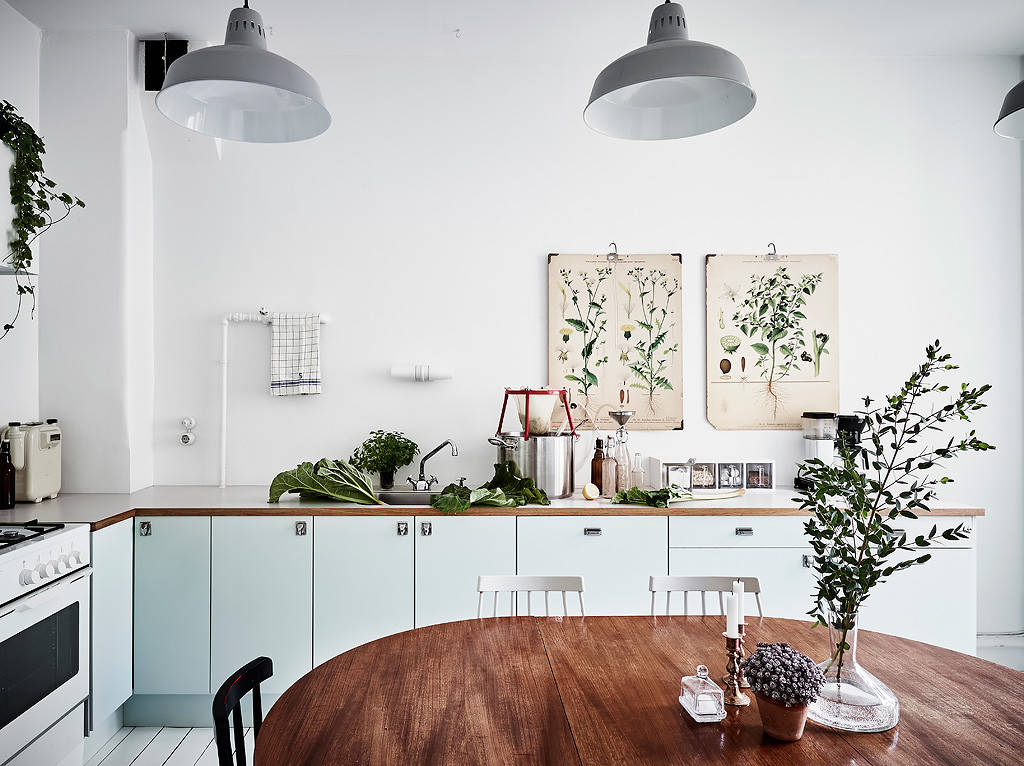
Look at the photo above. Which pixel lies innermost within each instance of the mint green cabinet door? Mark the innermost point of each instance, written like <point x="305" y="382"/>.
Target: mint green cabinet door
<point x="262" y="596"/>
<point x="451" y="552"/>
<point x="111" y="620"/>
<point x="362" y="581"/>
<point x="172" y="605"/>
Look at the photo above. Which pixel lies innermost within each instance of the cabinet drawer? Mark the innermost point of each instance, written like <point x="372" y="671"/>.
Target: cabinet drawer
<point x="736" y="531"/>
<point x="614" y="554"/>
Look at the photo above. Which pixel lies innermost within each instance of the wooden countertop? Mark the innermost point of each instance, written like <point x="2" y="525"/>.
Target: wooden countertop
<point x="101" y="510"/>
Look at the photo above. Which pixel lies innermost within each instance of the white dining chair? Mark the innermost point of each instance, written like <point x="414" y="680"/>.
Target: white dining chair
<point x="528" y="584"/>
<point x="704" y="585"/>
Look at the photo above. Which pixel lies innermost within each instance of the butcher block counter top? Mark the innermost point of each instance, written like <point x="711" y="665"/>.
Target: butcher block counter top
<point x="101" y="510"/>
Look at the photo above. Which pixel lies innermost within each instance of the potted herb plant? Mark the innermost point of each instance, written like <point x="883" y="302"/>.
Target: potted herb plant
<point x="785" y="682"/>
<point x="855" y="505"/>
<point x="384" y="452"/>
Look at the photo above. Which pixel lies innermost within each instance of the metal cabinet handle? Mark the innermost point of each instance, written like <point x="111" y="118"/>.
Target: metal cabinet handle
<point x="403" y="528"/>
<point x="300" y="528"/>
<point x="592" y="531"/>
<point x="426" y="528"/>
<point x="807" y="561"/>
<point x="744" y="531"/>
<point x="145" y="528"/>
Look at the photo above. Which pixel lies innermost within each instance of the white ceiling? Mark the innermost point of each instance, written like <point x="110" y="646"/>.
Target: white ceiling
<point x="555" y="28"/>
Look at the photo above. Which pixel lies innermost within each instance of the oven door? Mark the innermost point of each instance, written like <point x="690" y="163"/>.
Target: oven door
<point x="44" y="659"/>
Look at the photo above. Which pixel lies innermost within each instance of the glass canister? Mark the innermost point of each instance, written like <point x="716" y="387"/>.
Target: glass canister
<point x="819" y="425"/>
<point x="701" y="697"/>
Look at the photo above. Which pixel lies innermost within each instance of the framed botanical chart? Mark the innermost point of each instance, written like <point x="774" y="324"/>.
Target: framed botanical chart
<point x="615" y="334"/>
<point x="772" y="339"/>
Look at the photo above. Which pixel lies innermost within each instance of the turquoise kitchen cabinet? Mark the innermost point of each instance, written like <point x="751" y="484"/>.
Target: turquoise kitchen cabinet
<point x="261" y="578"/>
<point x="172" y="605"/>
<point x="112" y="553"/>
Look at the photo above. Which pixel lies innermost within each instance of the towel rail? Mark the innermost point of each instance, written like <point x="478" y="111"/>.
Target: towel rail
<point x="260" y="317"/>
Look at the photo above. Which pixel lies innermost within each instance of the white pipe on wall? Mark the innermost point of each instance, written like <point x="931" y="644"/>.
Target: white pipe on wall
<point x="261" y="317"/>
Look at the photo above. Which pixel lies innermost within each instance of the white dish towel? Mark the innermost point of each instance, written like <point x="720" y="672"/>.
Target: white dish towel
<point x="294" y="354"/>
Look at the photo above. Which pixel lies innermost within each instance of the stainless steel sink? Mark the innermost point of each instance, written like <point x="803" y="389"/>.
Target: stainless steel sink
<point x="405" y="497"/>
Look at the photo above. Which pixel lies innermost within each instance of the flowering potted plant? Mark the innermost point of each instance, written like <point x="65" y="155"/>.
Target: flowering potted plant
<point x="785" y="682"/>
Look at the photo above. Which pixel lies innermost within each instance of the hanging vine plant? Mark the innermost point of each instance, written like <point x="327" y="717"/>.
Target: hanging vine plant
<point x="38" y="204"/>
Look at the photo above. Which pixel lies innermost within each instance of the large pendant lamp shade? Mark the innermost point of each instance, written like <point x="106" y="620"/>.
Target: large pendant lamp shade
<point x="241" y="91"/>
<point x="1011" y="117"/>
<point x="672" y="87"/>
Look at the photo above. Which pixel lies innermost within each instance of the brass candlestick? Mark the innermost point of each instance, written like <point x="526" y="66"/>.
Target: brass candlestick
<point x="744" y="683"/>
<point x="733" y="695"/>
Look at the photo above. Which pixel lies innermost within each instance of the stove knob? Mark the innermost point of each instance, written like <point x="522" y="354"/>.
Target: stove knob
<point x="74" y="558"/>
<point x="61" y="565"/>
<point x="30" y="577"/>
<point x="46" y="570"/>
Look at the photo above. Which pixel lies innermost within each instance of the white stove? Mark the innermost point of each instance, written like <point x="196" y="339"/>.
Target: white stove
<point x="44" y="628"/>
<point x="34" y="555"/>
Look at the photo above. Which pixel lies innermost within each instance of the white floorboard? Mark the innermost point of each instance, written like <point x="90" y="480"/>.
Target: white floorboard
<point x="192" y="746"/>
<point x="131" y="746"/>
<point x="155" y="746"/>
<point x="109" y="746"/>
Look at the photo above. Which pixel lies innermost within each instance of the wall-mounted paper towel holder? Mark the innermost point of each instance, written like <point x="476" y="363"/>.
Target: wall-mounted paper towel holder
<point x="421" y="373"/>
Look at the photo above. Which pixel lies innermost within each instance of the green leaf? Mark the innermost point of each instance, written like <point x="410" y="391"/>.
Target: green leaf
<point x="576" y="324"/>
<point x="760" y="348"/>
<point x="332" y="479"/>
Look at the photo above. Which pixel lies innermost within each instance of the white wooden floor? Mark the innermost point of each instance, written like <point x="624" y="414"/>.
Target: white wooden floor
<point x="156" y="746"/>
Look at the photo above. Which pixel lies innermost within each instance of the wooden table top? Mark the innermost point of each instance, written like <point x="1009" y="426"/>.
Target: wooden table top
<point x="603" y="690"/>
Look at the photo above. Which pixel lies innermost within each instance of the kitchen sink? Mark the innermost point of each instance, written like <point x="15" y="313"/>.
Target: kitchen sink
<point x="405" y="497"/>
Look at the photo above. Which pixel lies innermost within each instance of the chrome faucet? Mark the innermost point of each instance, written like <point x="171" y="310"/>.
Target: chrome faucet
<point x="423" y="484"/>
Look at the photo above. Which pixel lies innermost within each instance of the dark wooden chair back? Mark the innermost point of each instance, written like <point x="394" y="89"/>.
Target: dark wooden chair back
<point x="228" y="700"/>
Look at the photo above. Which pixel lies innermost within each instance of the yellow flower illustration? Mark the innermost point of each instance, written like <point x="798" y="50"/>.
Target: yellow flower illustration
<point x="627" y="330"/>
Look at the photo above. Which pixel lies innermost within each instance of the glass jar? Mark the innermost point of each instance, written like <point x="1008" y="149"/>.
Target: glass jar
<point x="819" y="425"/>
<point x="609" y="470"/>
<point x="701" y="697"/>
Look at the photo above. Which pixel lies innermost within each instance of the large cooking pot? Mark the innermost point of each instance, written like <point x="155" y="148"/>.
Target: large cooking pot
<point x="545" y="459"/>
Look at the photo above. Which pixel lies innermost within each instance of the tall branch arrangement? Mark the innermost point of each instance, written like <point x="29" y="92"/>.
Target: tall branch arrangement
<point x="651" y="361"/>
<point x="38" y="205"/>
<point x="888" y="476"/>
<point x="771" y="316"/>
<point x="591" y="321"/>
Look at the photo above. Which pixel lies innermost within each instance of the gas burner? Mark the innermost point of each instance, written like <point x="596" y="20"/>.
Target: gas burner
<point x="12" y="534"/>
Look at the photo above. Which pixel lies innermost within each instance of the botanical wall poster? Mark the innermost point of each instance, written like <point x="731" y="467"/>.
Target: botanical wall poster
<point x="614" y="336"/>
<point x="772" y="339"/>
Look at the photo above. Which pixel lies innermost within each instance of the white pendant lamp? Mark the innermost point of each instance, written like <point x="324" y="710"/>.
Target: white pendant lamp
<point x="241" y="91"/>
<point x="1011" y="117"/>
<point x="672" y="87"/>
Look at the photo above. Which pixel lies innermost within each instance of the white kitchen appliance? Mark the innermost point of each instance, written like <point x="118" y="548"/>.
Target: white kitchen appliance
<point x="44" y="628"/>
<point x="35" y="452"/>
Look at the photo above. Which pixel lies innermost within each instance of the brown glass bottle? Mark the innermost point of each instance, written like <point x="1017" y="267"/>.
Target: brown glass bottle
<point x="596" y="465"/>
<point x="6" y="476"/>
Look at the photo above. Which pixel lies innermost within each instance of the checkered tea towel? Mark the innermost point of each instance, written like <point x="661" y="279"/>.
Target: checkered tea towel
<point x="294" y="354"/>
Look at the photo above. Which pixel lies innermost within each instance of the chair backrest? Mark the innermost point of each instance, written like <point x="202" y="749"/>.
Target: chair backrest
<point x="228" y="700"/>
<point x="703" y="585"/>
<point x="528" y="584"/>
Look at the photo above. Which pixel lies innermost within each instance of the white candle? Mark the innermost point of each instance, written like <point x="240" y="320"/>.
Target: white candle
<point x="732" y="623"/>
<point x="737" y="589"/>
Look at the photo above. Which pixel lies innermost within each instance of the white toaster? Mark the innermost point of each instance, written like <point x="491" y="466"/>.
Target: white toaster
<point x="35" y="452"/>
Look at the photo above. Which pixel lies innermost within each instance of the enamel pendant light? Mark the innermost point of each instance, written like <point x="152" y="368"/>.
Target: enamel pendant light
<point x="1011" y="117"/>
<point x="241" y="91"/>
<point x="671" y="88"/>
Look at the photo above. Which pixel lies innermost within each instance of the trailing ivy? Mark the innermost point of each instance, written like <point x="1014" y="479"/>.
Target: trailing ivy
<point x="38" y="204"/>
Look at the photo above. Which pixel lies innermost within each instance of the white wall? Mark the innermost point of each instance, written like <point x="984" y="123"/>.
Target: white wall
<point x="421" y="221"/>
<point x="96" y="318"/>
<point x="19" y="351"/>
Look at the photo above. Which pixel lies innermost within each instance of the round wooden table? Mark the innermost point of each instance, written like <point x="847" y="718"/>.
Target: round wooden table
<point x="603" y="690"/>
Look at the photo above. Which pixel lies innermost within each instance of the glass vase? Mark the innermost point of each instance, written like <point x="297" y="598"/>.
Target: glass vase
<point x="852" y="699"/>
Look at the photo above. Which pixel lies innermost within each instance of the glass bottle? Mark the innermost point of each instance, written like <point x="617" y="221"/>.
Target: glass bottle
<point x="609" y="470"/>
<point x="6" y="476"/>
<point x="597" y="464"/>
<point x="624" y="476"/>
<point x="852" y="699"/>
<point x="639" y="476"/>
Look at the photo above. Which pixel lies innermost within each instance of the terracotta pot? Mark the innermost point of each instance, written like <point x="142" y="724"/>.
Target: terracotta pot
<point x="781" y="722"/>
